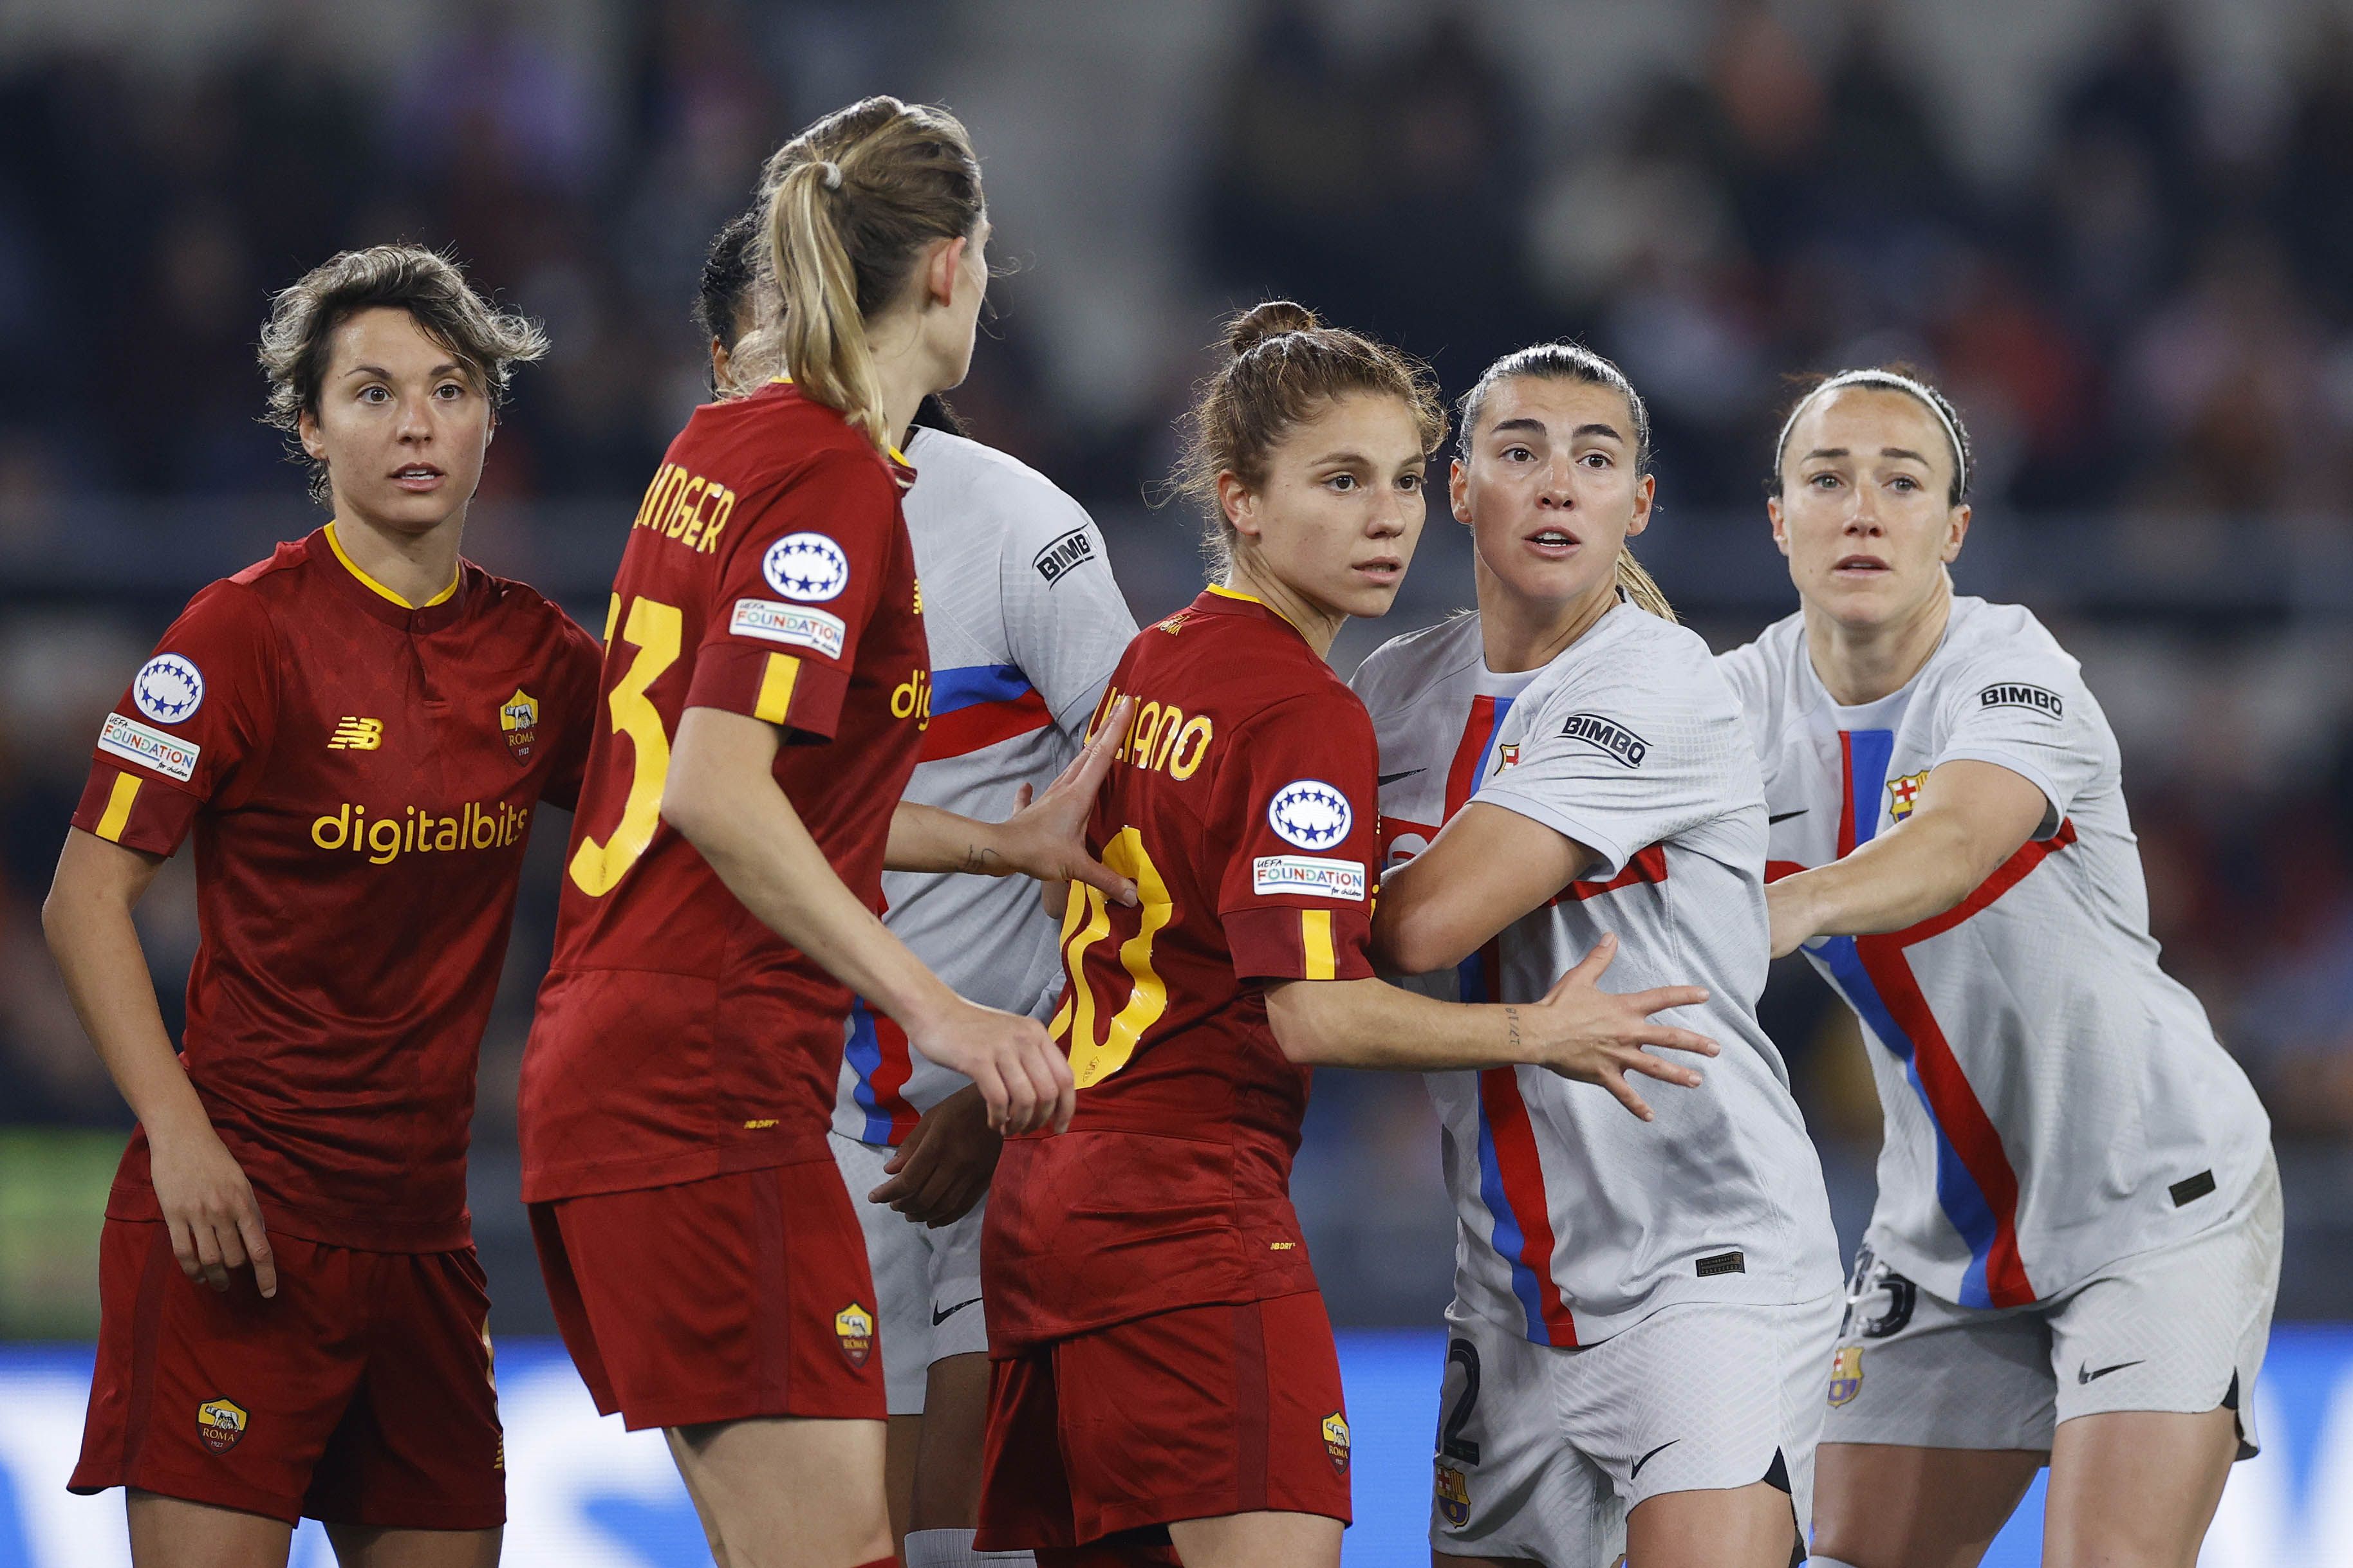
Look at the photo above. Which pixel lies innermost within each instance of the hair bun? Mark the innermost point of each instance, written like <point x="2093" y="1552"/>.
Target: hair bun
<point x="1270" y="320"/>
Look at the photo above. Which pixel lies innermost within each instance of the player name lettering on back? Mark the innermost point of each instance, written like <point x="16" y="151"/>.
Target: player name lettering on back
<point x="2017" y="694"/>
<point x="1162" y="737"/>
<point x="686" y="506"/>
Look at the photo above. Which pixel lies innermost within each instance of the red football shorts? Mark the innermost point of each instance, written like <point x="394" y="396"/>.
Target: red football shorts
<point x="738" y="1295"/>
<point x="1106" y="1437"/>
<point x="361" y="1393"/>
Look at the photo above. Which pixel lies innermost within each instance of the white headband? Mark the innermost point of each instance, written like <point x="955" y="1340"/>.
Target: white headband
<point x="1897" y="382"/>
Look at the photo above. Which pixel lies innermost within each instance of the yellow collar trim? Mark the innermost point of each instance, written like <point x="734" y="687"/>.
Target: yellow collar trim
<point x="1225" y="592"/>
<point x="353" y="567"/>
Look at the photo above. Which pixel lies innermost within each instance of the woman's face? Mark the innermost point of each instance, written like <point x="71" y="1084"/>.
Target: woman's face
<point x="1341" y="508"/>
<point x="1862" y="514"/>
<point x="1549" y="490"/>
<point x="400" y="423"/>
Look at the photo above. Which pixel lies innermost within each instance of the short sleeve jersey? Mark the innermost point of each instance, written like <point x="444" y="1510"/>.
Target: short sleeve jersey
<point x="1024" y="623"/>
<point x="1575" y="1220"/>
<point x="768" y="574"/>
<point x="1242" y="805"/>
<point x="360" y="778"/>
<point x="2053" y="1099"/>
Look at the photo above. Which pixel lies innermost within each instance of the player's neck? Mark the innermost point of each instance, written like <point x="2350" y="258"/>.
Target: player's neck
<point x="1316" y="624"/>
<point x="417" y="568"/>
<point x="1517" y="634"/>
<point x="1858" y="664"/>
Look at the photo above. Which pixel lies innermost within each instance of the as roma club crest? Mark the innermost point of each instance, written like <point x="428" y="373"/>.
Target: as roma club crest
<point x="1846" y="1374"/>
<point x="854" y="1327"/>
<point x="1335" y="1440"/>
<point x="1453" y="1494"/>
<point x="519" y="722"/>
<point x="221" y="1423"/>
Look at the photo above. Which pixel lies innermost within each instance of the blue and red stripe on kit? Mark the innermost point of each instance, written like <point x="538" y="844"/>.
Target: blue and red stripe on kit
<point x="877" y="1052"/>
<point x="979" y="705"/>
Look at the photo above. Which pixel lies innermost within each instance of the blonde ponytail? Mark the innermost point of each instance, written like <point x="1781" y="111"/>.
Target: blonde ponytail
<point x="1640" y="588"/>
<point x="822" y="334"/>
<point x="849" y="206"/>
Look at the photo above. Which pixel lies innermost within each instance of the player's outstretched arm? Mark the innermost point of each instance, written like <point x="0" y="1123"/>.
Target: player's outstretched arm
<point x="207" y="1205"/>
<point x="721" y="795"/>
<point x="1579" y="1030"/>
<point x="1487" y="869"/>
<point x="1045" y="839"/>
<point x="1970" y="817"/>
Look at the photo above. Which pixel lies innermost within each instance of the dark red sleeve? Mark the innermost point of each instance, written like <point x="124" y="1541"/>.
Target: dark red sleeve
<point x="201" y="709"/>
<point x="577" y="663"/>
<point x="1297" y="802"/>
<point x="795" y="589"/>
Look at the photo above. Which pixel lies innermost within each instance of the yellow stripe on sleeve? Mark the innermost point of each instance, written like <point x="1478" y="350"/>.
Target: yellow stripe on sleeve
<point x="776" y="688"/>
<point x="1315" y="943"/>
<point x="117" y="815"/>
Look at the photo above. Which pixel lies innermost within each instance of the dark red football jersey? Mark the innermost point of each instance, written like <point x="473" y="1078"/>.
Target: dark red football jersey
<point x="1241" y="804"/>
<point x="361" y="777"/>
<point x="769" y="573"/>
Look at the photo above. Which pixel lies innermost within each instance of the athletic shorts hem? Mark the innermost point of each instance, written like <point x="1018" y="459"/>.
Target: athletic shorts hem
<point x="212" y="1492"/>
<point x="1163" y="1512"/>
<point x="730" y="1404"/>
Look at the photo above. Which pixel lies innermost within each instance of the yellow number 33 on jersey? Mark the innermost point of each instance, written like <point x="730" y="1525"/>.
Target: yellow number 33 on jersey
<point x="656" y="630"/>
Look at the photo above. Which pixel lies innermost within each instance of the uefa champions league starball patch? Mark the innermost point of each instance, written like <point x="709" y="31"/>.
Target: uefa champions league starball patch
<point x="1310" y="814"/>
<point x="168" y="689"/>
<point x="809" y="567"/>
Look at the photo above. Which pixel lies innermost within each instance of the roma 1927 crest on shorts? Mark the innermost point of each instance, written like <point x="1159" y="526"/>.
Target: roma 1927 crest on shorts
<point x="1846" y="1374"/>
<point x="854" y="1327"/>
<point x="1454" y="1497"/>
<point x="1335" y="1440"/>
<point x="1903" y="793"/>
<point x="221" y="1423"/>
<point x="519" y="722"/>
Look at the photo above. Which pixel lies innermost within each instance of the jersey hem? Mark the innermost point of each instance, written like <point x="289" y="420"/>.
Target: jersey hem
<point x="589" y="1179"/>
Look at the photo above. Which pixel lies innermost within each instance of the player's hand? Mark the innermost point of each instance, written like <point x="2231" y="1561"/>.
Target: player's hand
<point x="1047" y="838"/>
<point x="1012" y="1061"/>
<point x="1585" y="1033"/>
<point x="209" y="1208"/>
<point x="944" y="1167"/>
<point x="1789" y="921"/>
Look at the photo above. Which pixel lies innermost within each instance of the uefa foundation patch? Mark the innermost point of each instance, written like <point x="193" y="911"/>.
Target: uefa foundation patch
<point x="1846" y="1374"/>
<point x="221" y="1423"/>
<point x="1335" y="1440"/>
<point x="1453" y="1495"/>
<point x="854" y="1327"/>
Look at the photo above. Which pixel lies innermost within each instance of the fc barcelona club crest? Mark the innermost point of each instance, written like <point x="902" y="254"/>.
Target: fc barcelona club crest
<point x="519" y="722"/>
<point x="221" y="1423"/>
<point x="854" y="1327"/>
<point x="1846" y="1374"/>
<point x="1903" y="793"/>
<point x="1335" y="1440"/>
<point x="1454" y="1497"/>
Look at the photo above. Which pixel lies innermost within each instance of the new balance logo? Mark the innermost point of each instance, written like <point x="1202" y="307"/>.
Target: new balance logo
<point x="356" y="736"/>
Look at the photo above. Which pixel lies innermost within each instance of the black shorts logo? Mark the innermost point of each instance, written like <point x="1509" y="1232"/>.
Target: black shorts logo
<point x="1072" y="549"/>
<point x="2016" y="694"/>
<point x="1607" y="736"/>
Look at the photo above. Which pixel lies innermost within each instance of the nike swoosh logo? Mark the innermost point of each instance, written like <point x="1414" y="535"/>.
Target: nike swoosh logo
<point x="1785" y="817"/>
<point x="2085" y="1374"/>
<point x="939" y="1317"/>
<point x="1648" y="1457"/>
<point x="1389" y="779"/>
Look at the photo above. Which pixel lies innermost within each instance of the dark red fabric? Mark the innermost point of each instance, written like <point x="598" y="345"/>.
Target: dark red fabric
<point x="717" y="1300"/>
<point x="360" y="799"/>
<point x="1195" y="1414"/>
<point x="677" y="1037"/>
<point x="362" y="1390"/>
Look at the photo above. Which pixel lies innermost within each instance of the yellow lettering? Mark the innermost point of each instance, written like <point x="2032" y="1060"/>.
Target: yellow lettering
<point x="486" y="829"/>
<point x="662" y="478"/>
<point x="718" y="523"/>
<point x="383" y="841"/>
<point x="1196" y="734"/>
<point x="341" y="824"/>
<point x="1172" y="718"/>
<point x="687" y="498"/>
<point x="1138" y="746"/>
<point x="448" y="838"/>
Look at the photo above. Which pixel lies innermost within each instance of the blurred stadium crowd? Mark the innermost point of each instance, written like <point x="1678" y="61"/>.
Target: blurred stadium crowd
<point x="2147" y="319"/>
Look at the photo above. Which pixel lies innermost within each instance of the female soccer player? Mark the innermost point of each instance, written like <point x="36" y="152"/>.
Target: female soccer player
<point x="359" y="729"/>
<point x="767" y="693"/>
<point x="1640" y="1308"/>
<point x="1024" y="623"/>
<point x="1165" y="1374"/>
<point x="2077" y="1240"/>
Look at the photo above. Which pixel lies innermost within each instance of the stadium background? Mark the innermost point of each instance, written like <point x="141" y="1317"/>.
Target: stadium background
<point x="2121" y="234"/>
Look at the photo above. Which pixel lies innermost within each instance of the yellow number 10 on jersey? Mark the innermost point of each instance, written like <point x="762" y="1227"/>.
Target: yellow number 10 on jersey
<point x="656" y="630"/>
<point x="1086" y="921"/>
